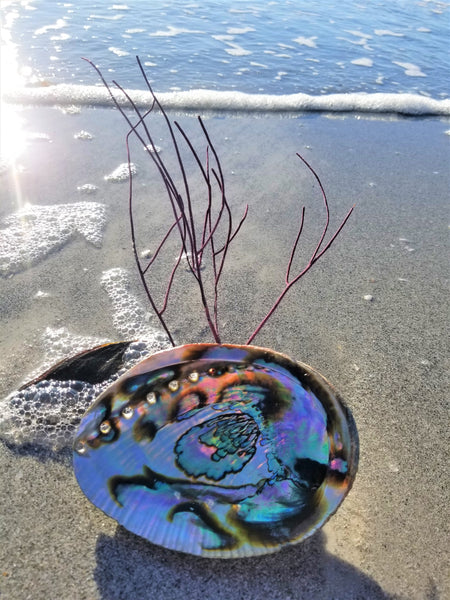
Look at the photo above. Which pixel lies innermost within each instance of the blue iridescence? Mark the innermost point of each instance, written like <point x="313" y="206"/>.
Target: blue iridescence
<point x="225" y="454"/>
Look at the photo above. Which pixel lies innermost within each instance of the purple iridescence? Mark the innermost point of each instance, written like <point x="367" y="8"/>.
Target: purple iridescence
<point x="222" y="451"/>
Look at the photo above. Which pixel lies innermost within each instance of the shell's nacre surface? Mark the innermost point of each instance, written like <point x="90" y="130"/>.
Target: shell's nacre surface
<point x="218" y="450"/>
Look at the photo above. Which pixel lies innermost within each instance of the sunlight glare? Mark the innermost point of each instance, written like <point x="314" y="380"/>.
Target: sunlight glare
<point x="12" y="135"/>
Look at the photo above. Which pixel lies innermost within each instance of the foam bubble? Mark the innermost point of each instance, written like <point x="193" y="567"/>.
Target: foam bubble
<point x="382" y="32"/>
<point x="106" y="18"/>
<point x="236" y="50"/>
<point x="304" y="41"/>
<point x="130" y="317"/>
<point x="87" y="188"/>
<point x="173" y="31"/>
<point x="153" y="149"/>
<point x="60" y="38"/>
<point x="410" y="69"/>
<point x="239" y="30"/>
<point x="59" y="24"/>
<point x="47" y="413"/>
<point x="118" y="51"/>
<point x="233" y="48"/>
<point x="33" y="232"/>
<point x="363" y="62"/>
<point x="122" y="173"/>
<point x="83" y="135"/>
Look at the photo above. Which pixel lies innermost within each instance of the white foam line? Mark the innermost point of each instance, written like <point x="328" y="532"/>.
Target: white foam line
<point x="409" y="104"/>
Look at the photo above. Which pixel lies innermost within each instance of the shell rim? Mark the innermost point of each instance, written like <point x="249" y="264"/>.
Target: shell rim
<point x="325" y="388"/>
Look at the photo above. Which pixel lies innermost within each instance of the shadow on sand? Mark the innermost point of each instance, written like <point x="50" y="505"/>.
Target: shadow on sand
<point x="130" y="567"/>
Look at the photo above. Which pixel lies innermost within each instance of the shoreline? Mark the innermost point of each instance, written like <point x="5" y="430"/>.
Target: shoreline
<point x="380" y="103"/>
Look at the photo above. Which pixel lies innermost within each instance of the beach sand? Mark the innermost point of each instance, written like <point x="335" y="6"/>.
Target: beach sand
<point x="386" y="356"/>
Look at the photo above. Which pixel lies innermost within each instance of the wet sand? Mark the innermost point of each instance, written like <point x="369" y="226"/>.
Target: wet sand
<point x="387" y="356"/>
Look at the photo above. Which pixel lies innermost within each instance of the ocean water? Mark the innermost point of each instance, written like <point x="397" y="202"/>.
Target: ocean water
<point x="275" y="48"/>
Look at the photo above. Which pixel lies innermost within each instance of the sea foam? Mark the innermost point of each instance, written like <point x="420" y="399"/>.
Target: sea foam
<point x="407" y="104"/>
<point x="30" y="234"/>
<point x="46" y="413"/>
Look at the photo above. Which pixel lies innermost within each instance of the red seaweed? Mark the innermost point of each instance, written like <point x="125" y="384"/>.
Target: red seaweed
<point x="217" y="217"/>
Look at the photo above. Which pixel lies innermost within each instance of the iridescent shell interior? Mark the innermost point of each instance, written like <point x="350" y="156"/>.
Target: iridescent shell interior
<point x="218" y="450"/>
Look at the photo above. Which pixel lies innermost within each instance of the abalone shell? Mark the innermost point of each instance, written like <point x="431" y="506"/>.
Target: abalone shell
<point x="218" y="450"/>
